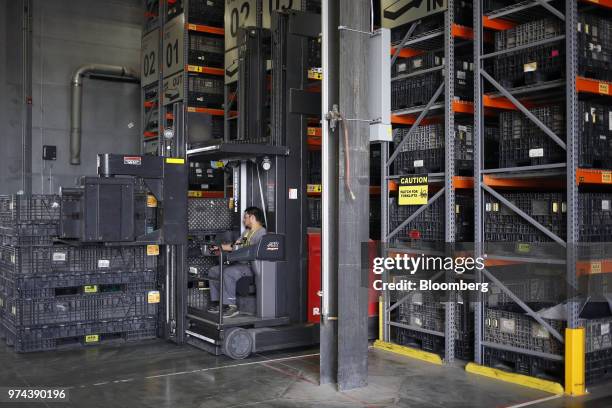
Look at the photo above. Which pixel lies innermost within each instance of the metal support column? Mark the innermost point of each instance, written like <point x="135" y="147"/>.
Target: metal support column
<point x="26" y="98"/>
<point x="449" y="160"/>
<point x="353" y="196"/>
<point x="478" y="166"/>
<point x="330" y="51"/>
<point x="575" y="351"/>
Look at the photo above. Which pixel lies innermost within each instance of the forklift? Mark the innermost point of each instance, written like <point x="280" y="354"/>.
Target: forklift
<point x="266" y="156"/>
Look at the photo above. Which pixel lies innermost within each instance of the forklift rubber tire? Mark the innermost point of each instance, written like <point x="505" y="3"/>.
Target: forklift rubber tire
<point x="238" y="343"/>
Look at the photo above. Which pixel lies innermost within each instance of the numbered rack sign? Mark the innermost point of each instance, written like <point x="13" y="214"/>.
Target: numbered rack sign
<point x="238" y="14"/>
<point x="270" y="5"/>
<point x="173" y="48"/>
<point x="149" y="63"/>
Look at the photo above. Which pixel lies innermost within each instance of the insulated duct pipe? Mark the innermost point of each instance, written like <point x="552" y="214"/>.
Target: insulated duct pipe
<point x="77" y="99"/>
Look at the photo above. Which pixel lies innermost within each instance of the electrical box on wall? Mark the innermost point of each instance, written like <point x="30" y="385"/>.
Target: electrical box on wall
<point x="379" y="85"/>
<point x="49" y="152"/>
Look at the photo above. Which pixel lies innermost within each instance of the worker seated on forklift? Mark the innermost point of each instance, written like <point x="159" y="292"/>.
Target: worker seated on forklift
<point x="254" y="223"/>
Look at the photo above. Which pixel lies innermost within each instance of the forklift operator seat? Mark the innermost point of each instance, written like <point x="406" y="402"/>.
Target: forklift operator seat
<point x="264" y="258"/>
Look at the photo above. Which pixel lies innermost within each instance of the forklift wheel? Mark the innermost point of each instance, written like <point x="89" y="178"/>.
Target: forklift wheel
<point x="238" y="343"/>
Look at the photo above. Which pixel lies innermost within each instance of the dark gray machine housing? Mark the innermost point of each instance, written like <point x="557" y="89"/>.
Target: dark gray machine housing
<point x="113" y="206"/>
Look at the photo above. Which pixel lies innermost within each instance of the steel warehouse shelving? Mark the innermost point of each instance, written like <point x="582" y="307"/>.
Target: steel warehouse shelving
<point x="491" y="182"/>
<point x="446" y="40"/>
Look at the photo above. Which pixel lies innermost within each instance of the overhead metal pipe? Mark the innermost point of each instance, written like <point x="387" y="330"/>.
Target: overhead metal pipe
<point x="77" y="99"/>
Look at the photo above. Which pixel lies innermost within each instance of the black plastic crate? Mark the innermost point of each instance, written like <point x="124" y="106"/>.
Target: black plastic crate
<point x="529" y="32"/>
<point x="86" y="259"/>
<point x="20" y="286"/>
<point x="595" y="132"/>
<point x="205" y="91"/>
<point x="29" y="234"/>
<point x="208" y="12"/>
<point x="530" y="66"/>
<point x="200" y="265"/>
<point x="504" y="225"/>
<point x="29" y="209"/>
<point x="598" y="366"/>
<point x="82" y="304"/>
<point x="209" y="214"/>
<point x="423" y="152"/>
<point x="428" y="226"/>
<point x="521" y="331"/>
<point x="595" y="212"/>
<point x="81" y="334"/>
<point x="522" y="143"/>
<point x="418" y="90"/>
<point x="464" y="348"/>
<point x="523" y="364"/>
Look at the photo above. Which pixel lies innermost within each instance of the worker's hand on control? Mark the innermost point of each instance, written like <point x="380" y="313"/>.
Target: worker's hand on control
<point x="227" y="247"/>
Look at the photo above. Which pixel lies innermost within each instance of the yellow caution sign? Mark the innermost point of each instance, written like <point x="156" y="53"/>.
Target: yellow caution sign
<point x="315" y="73"/>
<point x="413" y="190"/>
<point x="175" y="160"/>
<point x="604" y="88"/>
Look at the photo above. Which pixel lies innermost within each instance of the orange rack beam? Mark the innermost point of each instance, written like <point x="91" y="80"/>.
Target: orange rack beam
<point x="460" y="31"/>
<point x="407" y="52"/>
<point x="498" y="24"/>
<point x="205" y="70"/>
<point x="602" y="3"/>
<point x="594" y="86"/>
<point x="502" y="103"/>
<point x="148" y="134"/>
<point x="214" y="112"/>
<point x="205" y="194"/>
<point x="409" y="119"/>
<point x="205" y="29"/>
<point x="535" y="182"/>
<point x="593" y="267"/>
<point x="591" y="176"/>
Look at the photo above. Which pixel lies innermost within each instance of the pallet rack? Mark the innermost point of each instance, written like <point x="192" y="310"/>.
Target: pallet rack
<point x="446" y="39"/>
<point x="567" y="175"/>
<point x="169" y="120"/>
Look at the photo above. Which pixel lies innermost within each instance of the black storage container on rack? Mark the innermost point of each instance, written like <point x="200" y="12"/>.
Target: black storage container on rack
<point x="205" y="91"/>
<point x="423" y="310"/>
<point x="207" y="12"/>
<point x="522" y="143"/>
<point x="417" y="90"/>
<point x="424" y="152"/>
<point x="504" y="225"/>
<point x="463" y="16"/>
<point x="595" y="133"/>
<point x="428" y="226"/>
<point x="206" y="50"/>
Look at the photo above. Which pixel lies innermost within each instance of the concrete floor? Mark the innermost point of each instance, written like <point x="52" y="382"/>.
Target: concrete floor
<point x="158" y="374"/>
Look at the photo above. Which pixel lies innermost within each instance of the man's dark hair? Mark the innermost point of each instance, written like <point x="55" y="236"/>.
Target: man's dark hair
<point x="257" y="213"/>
